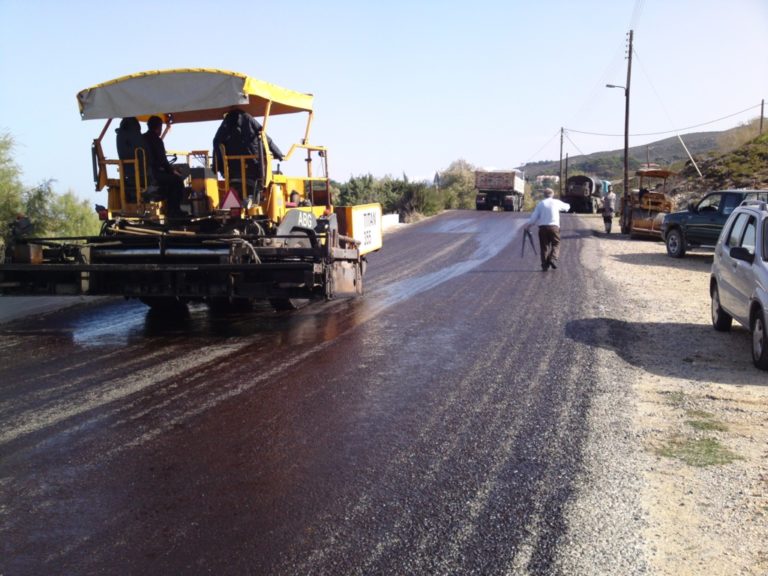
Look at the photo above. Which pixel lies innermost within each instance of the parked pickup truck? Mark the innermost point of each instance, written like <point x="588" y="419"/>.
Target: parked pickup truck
<point x="701" y="223"/>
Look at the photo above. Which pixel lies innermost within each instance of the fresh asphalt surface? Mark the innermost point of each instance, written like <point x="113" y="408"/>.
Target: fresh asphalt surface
<point x="434" y="426"/>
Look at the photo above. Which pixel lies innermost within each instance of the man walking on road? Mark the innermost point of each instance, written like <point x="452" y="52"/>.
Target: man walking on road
<point x="547" y="216"/>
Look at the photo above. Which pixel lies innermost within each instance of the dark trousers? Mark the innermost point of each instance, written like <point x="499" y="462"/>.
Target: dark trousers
<point x="608" y="220"/>
<point x="172" y="187"/>
<point x="549" y="241"/>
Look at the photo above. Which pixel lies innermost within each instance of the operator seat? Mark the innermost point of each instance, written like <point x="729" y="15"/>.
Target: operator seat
<point x="129" y="140"/>
<point x="240" y="135"/>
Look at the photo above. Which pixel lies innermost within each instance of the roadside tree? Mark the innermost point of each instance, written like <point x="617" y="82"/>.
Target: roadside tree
<point x="457" y="185"/>
<point x="10" y="185"/>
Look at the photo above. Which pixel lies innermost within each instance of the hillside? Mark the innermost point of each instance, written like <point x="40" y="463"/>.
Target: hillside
<point x="744" y="167"/>
<point x="667" y="152"/>
<point x="731" y="159"/>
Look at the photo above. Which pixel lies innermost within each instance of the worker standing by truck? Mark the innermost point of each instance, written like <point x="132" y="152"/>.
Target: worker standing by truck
<point x="609" y="208"/>
<point x="547" y="216"/>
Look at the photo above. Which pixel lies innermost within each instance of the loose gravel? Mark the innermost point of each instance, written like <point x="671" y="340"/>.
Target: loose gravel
<point x="675" y="478"/>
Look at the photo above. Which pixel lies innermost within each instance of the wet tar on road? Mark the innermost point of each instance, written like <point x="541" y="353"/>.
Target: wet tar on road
<point x="433" y="426"/>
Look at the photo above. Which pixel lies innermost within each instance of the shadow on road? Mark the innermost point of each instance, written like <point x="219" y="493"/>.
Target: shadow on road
<point x="693" y="262"/>
<point x="717" y="357"/>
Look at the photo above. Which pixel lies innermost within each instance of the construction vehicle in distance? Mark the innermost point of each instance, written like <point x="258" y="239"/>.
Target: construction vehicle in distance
<point x="503" y="189"/>
<point x="646" y="208"/>
<point x="584" y="193"/>
<point x="245" y="232"/>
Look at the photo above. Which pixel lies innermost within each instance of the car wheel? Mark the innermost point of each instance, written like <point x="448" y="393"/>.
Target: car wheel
<point x="675" y="243"/>
<point x="721" y="320"/>
<point x="759" y="343"/>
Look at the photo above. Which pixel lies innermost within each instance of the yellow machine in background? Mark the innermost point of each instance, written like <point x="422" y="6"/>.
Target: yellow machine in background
<point x="647" y="207"/>
<point x="246" y="231"/>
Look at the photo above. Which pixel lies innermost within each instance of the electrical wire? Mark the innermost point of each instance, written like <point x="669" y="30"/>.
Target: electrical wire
<point x="608" y="73"/>
<point x="574" y="143"/>
<point x="637" y="11"/>
<point x="655" y="91"/>
<point x="542" y="148"/>
<point x="666" y="131"/>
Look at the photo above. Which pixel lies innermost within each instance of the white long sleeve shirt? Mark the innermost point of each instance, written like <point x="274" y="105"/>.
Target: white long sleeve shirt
<point x="547" y="212"/>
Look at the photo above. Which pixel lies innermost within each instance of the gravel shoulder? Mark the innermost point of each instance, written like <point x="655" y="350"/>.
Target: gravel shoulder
<point x="676" y="470"/>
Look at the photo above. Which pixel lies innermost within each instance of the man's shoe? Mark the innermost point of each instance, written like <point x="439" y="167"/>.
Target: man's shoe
<point x="544" y="267"/>
<point x="554" y="266"/>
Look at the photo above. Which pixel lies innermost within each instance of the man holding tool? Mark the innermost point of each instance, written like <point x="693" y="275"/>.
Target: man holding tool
<point x="547" y="216"/>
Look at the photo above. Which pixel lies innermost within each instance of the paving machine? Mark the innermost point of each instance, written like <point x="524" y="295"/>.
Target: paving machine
<point x="241" y="231"/>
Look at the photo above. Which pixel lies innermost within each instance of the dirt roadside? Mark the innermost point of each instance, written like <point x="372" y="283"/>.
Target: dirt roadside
<point x="701" y="414"/>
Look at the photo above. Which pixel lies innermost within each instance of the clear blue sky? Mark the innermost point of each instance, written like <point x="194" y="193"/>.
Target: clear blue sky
<point x="400" y="86"/>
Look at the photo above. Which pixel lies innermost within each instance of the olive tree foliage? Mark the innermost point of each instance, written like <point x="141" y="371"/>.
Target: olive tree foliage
<point x="10" y="186"/>
<point x="452" y="188"/>
<point x="73" y="216"/>
<point x="50" y="214"/>
<point x="394" y="194"/>
<point x="366" y="189"/>
<point x="37" y="207"/>
<point x="60" y="215"/>
<point x="457" y="185"/>
<point x="419" y="198"/>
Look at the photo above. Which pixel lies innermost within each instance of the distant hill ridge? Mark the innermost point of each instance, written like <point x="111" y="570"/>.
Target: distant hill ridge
<point x="735" y="158"/>
<point x="667" y="152"/>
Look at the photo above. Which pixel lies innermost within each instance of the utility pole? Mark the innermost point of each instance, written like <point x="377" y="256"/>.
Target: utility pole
<point x="627" y="209"/>
<point x="762" y="113"/>
<point x="560" y="183"/>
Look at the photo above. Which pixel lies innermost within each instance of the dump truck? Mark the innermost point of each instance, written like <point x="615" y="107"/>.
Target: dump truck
<point x="239" y="230"/>
<point x="503" y="189"/>
<point x="584" y="193"/>
<point x="643" y="211"/>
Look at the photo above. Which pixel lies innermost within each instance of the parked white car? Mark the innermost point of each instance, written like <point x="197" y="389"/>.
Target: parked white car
<point x="739" y="280"/>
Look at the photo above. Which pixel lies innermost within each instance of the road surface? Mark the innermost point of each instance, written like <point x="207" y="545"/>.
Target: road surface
<point x="434" y="426"/>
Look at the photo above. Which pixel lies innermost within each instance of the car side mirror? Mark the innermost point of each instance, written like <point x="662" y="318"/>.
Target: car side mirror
<point x="691" y="207"/>
<point x="741" y="253"/>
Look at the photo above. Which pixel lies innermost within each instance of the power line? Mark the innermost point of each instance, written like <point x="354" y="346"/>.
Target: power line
<point x="555" y="135"/>
<point x="667" y="131"/>
<point x="574" y="143"/>
<point x="637" y="11"/>
<point x="655" y="91"/>
<point x="612" y="66"/>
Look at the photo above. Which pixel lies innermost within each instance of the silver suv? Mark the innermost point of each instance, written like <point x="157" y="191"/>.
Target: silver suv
<point x="739" y="280"/>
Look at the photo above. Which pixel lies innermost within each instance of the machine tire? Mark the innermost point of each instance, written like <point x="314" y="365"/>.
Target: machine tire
<point x="759" y="341"/>
<point x="721" y="320"/>
<point x="675" y="243"/>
